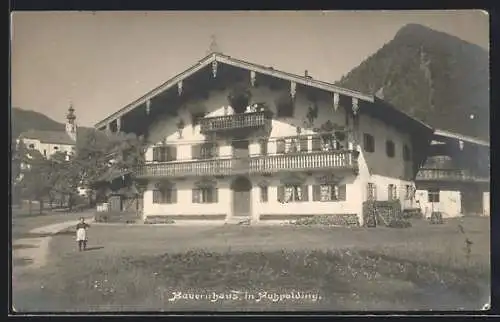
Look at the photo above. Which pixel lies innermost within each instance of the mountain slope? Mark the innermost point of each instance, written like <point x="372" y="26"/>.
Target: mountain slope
<point x="435" y="77"/>
<point x="23" y="120"/>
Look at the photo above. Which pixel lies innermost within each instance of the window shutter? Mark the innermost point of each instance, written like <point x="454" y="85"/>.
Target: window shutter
<point x="263" y="147"/>
<point x="317" y="192"/>
<point x="156" y="196"/>
<point x="195" y="151"/>
<point x="173" y="195"/>
<point x="342" y="193"/>
<point x="172" y="153"/>
<point x="280" y="146"/>
<point x="316" y="143"/>
<point x="281" y="193"/>
<point x="215" y="150"/>
<point x="305" y="193"/>
<point x="216" y="194"/>
<point x="303" y="144"/>
<point x="196" y="196"/>
<point x="156" y="154"/>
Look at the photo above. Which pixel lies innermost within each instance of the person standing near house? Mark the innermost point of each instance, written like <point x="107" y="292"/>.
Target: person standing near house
<point x="81" y="234"/>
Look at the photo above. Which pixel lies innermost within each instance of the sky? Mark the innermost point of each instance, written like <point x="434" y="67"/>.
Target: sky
<point x="102" y="61"/>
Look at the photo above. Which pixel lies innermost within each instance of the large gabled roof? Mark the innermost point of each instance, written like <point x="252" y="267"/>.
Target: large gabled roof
<point x="456" y="136"/>
<point x="54" y="137"/>
<point x="228" y="60"/>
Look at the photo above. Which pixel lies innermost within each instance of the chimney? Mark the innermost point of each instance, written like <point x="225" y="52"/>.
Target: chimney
<point x="306" y="74"/>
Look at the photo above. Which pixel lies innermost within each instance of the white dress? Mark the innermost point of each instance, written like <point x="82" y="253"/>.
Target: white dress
<point x="81" y="234"/>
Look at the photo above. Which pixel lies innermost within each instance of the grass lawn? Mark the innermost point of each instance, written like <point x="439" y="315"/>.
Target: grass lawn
<point x="259" y="268"/>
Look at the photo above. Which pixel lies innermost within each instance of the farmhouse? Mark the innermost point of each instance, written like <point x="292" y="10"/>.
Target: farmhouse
<point x="232" y="140"/>
<point x="455" y="179"/>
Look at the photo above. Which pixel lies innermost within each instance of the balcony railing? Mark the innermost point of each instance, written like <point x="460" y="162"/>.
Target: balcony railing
<point x="449" y="175"/>
<point x="314" y="161"/>
<point x="235" y="122"/>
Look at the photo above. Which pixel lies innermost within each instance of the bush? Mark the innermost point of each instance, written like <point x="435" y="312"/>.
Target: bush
<point x="329" y="220"/>
<point x="158" y="220"/>
<point x="412" y="213"/>
<point x="116" y="217"/>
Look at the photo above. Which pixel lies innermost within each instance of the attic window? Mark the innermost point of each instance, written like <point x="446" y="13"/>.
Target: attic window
<point x="56" y="148"/>
<point x="389" y="148"/>
<point x="369" y="142"/>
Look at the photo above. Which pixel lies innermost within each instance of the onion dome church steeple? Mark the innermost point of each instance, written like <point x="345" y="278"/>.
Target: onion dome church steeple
<point x="71" y="123"/>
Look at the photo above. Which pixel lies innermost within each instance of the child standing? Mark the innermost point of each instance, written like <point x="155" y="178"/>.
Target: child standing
<point x="81" y="234"/>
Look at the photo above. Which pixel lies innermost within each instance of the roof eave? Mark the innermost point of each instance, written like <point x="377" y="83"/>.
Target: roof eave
<point x="457" y="136"/>
<point x="237" y="63"/>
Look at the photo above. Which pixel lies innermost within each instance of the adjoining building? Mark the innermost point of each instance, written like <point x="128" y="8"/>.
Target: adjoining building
<point x="455" y="179"/>
<point x="232" y="139"/>
<point x="47" y="143"/>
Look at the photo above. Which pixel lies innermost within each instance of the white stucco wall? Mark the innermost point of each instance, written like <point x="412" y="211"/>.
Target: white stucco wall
<point x="449" y="203"/>
<point x="49" y="148"/>
<point x="184" y="204"/>
<point x="350" y="206"/>
<point x="374" y="167"/>
<point x="486" y="203"/>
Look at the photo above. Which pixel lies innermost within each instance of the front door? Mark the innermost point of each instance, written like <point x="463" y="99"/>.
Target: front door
<point x="242" y="190"/>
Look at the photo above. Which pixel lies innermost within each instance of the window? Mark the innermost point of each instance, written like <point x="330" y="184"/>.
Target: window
<point x="44" y="153"/>
<point x="406" y="153"/>
<point x="409" y="192"/>
<point x="372" y="191"/>
<point x="208" y="151"/>
<point x="390" y="148"/>
<point x="280" y="146"/>
<point x="165" y="153"/>
<point x="329" y="192"/>
<point x="32" y="146"/>
<point x="316" y="143"/>
<point x="167" y="195"/>
<point x="369" y="142"/>
<point x="292" y="193"/>
<point x="56" y="148"/>
<point x="263" y="194"/>
<point x="205" y="195"/>
<point x="392" y="192"/>
<point x="292" y="146"/>
<point x="433" y="195"/>
<point x="263" y="147"/>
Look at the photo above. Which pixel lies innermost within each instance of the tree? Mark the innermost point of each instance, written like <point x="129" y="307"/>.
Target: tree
<point x="35" y="183"/>
<point x="18" y="161"/>
<point x="64" y="178"/>
<point x="98" y="154"/>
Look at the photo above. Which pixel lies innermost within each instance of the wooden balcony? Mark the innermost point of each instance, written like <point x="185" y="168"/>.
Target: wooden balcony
<point x="449" y="175"/>
<point x="225" y="123"/>
<point x="313" y="161"/>
<point x="210" y="167"/>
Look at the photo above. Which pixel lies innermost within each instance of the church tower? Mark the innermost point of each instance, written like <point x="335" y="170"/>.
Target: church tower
<point x="71" y="123"/>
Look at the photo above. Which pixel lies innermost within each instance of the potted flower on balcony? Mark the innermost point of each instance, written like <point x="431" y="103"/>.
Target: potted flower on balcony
<point x="239" y="98"/>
